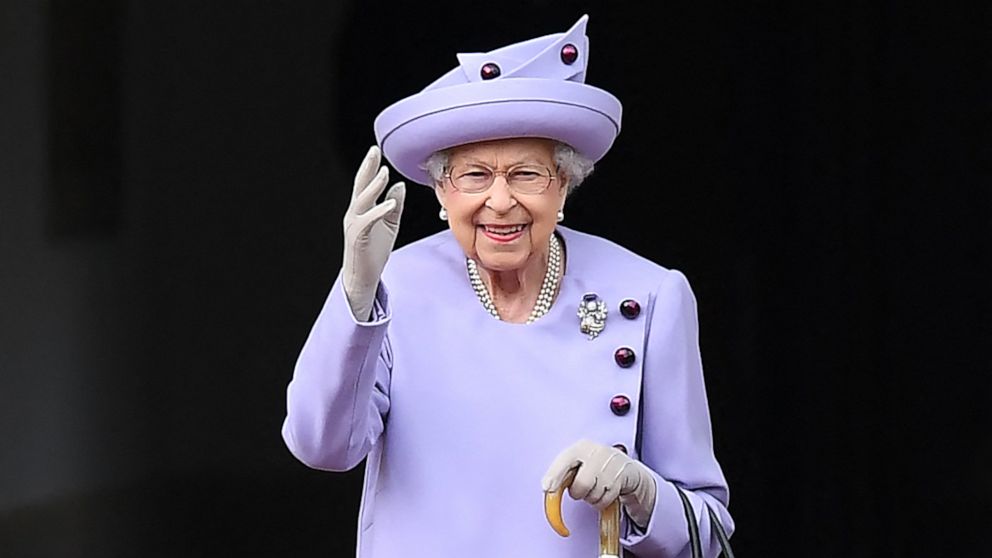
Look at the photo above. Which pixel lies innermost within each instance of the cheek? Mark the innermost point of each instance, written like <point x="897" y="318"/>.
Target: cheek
<point x="463" y="229"/>
<point x="544" y="212"/>
<point x="544" y="216"/>
<point x="461" y="216"/>
<point x="462" y="209"/>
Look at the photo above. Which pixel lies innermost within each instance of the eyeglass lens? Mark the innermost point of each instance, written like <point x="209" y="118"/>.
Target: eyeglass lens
<point x="525" y="179"/>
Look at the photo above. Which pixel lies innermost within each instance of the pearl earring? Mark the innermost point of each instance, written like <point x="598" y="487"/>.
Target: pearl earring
<point x="443" y="214"/>
<point x="561" y="216"/>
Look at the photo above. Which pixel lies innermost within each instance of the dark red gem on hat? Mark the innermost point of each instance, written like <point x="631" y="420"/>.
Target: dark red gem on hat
<point x="624" y="357"/>
<point x="490" y="71"/>
<point x="620" y="405"/>
<point x="569" y="54"/>
<point x="630" y="309"/>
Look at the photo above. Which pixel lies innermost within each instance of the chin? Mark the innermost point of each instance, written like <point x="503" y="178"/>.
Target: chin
<point x="503" y="261"/>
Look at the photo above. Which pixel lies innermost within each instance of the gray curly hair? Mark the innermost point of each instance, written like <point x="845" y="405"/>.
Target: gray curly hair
<point x="569" y="161"/>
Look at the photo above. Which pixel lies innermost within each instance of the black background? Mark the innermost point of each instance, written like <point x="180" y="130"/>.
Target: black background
<point x="174" y="174"/>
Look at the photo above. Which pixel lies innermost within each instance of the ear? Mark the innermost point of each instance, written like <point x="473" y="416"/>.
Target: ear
<point x="563" y="183"/>
<point x="440" y="192"/>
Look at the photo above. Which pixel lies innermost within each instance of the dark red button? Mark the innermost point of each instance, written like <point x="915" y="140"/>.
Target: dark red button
<point x="569" y="54"/>
<point x="621" y="447"/>
<point x="625" y="357"/>
<point x="490" y="71"/>
<point x="620" y="405"/>
<point x="630" y="309"/>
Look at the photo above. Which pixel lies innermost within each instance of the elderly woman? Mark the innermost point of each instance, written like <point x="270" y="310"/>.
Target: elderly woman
<point x="481" y="366"/>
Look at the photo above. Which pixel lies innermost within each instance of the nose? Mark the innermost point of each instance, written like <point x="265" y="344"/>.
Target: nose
<point x="501" y="199"/>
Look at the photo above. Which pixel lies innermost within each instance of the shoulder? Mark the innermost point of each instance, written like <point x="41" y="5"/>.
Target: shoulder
<point x="433" y="245"/>
<point x="430" y="258"/>
<point x="593" y="256"/>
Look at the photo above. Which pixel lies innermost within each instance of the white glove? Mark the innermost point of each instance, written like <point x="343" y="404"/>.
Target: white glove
<point x="369" y="233"/>
<point x="604" y="475"/>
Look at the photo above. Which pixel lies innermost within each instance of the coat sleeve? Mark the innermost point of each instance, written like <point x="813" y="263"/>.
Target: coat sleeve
<point x="338" y="398"/>
<point x="676" y="440"/>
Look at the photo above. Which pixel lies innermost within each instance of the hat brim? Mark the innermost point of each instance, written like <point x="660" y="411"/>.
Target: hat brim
<point x="584" y="117"/>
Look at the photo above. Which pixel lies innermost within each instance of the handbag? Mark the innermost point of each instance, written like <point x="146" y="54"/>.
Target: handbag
<point x="690" y="518"/>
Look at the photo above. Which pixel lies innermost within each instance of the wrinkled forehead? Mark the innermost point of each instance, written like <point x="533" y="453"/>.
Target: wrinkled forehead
<point x="504" y="152"/>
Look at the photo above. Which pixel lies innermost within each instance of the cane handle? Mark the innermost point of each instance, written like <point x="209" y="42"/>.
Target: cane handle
<point x="609" y="518"/>
<point x="552" y="504"/>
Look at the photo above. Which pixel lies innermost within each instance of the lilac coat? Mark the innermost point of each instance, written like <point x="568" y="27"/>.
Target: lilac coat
<point x="460" y="415"/>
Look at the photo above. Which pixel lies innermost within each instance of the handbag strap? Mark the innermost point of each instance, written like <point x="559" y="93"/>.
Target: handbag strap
<point x="690" y="518"/>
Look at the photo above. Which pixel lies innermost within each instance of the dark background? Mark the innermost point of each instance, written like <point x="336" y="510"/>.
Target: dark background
<point x="173" y="175"/>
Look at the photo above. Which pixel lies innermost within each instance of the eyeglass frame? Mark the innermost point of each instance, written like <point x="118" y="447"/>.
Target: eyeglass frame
<point x="552" y="176"/>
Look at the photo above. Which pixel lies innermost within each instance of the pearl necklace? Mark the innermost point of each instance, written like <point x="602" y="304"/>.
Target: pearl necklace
<point x="548" y="287"/>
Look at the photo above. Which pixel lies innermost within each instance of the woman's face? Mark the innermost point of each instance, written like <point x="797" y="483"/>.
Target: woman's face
<point x="499" y="228"/>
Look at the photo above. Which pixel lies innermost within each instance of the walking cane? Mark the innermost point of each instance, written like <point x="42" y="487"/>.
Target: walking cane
<point x="609" y="519"/>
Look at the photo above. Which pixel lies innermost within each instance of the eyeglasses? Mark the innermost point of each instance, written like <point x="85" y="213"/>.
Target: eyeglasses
<point x="522" y="179"/>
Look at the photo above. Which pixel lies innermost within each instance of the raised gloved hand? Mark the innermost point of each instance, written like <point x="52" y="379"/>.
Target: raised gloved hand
<point x="369" y="233"/>
<point x="605" y="474"/>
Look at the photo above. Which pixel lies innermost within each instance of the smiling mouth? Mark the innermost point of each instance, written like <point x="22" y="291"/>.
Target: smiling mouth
<point x="503" y="233"/>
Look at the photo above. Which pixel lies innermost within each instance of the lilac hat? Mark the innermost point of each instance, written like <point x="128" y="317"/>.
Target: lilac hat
<point x="530" y="89"/>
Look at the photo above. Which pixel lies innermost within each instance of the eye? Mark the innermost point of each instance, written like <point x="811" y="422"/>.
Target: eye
<point x="473" y="174"/>
<point x="527" y="174"/>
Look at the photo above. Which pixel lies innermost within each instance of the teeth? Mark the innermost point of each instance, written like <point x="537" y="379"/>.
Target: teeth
<point x="504" y="230"/>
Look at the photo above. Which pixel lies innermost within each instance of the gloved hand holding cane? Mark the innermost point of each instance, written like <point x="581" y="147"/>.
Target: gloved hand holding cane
<point x="604" y="477"/>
